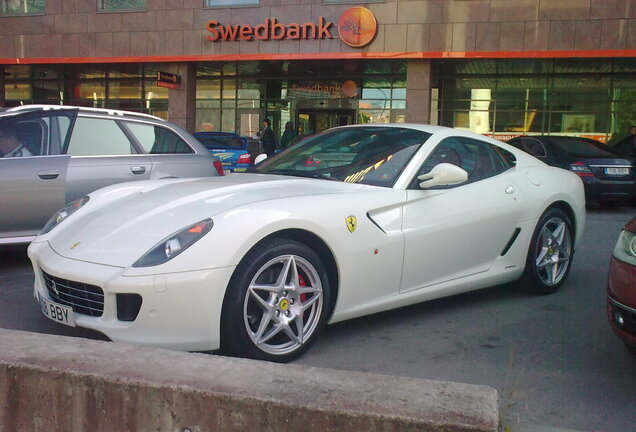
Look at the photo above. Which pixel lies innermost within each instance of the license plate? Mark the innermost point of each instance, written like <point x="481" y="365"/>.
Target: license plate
<point x="617" y="171"/>
<point x="57" y="312"/>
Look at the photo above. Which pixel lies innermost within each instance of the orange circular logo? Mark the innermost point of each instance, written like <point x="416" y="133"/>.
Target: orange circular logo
<point x="357" y="26"/>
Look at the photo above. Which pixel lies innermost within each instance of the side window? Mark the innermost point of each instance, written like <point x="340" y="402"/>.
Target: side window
<point x="34" y="134"/>
<point x="158" y="140"/>
<point x="532" y="146"/>
<point x="92" y="137"/>
<point x="479" y="159"/>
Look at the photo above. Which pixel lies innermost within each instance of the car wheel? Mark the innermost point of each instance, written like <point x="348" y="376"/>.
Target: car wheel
<point x="550" y="253"/>
<point x="276" y="303"/>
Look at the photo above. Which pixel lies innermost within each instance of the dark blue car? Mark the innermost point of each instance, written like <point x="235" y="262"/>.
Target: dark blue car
<point x="233" y="150"/>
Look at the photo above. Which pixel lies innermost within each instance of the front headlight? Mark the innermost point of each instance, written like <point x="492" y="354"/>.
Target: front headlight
<point x="173" y="245"/>
<point x="625" y="249"/>
<point x="63" y="214"/>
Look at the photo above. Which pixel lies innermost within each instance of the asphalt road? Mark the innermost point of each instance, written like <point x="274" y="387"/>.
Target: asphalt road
<point x="553" y="358"/>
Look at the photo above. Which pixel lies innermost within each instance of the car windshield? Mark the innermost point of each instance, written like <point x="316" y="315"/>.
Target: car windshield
<point x="373" y="155"/>
<point x="582" y="148"/>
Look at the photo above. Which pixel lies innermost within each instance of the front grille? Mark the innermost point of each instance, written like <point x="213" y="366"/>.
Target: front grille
<point x="83" y="298"/>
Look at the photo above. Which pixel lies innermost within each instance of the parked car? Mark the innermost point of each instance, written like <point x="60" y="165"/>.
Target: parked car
<point x="608" y="177"/>
<point x="621" y="287"/>
<point x="257" y="263"/>
<point x="66" y="152"/>
<point x="233" y="150"/>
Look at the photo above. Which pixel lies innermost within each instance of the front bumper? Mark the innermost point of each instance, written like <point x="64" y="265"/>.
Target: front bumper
<point x="621" y="300"/>
<point x="179" y="311"/>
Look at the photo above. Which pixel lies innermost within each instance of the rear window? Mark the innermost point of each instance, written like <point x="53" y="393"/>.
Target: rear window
<point x="158" y="140"/>
<point x="582" y="148"/>
<point x="221" y="142"/>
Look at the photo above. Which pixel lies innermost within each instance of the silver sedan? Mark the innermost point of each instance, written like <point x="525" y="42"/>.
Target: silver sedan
<point x="52" y="155"/>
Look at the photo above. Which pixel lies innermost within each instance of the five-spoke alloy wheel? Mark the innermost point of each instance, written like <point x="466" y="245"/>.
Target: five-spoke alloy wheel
<point x="276" y="303"/>
<point x="550" y="253"/>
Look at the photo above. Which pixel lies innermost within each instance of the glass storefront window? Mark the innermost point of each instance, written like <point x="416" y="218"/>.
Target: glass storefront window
<point x="90" y="72"/>
<point x="129" y="70"/>
<point x="512" y="97"/>
<point x="22" y="7"/>
<point x="229" y="89"/>
<point x="48" y="92"/>
<point x="17" y="93"/>
<point x="228" y="120"/>
<point x="208" y="89"/>
<point x="91" y="90"/>
<point x="124" y="90"/>
<point x="17" y="72"/>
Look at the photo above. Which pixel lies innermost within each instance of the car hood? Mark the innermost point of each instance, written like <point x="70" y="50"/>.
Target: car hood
<point x="122" y="222"/>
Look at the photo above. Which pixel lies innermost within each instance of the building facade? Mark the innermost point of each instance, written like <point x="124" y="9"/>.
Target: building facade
<point x="497" y="67"/>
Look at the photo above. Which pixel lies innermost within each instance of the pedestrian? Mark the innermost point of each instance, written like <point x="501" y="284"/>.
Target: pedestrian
<point x="627" y="146"/>
<point x="267" y="138"/>
<point x="288" y="135"/>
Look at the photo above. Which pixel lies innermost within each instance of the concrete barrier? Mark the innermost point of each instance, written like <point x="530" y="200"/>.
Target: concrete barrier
<point x="56" y="383"/>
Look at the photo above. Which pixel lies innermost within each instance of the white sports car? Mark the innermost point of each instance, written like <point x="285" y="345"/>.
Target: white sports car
<point x="353" y="221"/>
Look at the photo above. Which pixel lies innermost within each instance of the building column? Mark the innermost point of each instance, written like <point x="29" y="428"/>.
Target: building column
<point x="418" y="91"/>
<point x="182" y="101"/>
<point x="3" y="102"/>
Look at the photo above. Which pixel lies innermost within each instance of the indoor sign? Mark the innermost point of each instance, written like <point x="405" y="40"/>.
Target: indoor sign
<point x="357" y="27"/>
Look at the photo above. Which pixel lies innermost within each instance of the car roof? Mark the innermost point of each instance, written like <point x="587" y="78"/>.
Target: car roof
<point x="419" y="126"/>
<point x="102" y="111"/>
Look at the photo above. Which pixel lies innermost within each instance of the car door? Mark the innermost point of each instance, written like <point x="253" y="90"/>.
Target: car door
<point x="32" y="188"/>
<point x="455" y="231"/>
<point x="170" y="154"/>
<point x="102" y="154"/>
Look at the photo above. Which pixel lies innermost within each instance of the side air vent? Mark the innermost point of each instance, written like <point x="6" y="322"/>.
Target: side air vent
<point x="511" y="241"/>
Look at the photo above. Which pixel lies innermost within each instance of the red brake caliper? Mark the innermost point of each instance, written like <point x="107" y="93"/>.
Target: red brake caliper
<point x="301" y="281"/>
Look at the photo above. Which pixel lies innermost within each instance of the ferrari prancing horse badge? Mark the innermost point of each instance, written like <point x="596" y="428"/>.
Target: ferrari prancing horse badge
<point x="352" y="223"/>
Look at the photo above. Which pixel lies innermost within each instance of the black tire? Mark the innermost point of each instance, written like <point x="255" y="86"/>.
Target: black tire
<point x="539" y="277"/>
<point x="262" y="315"/>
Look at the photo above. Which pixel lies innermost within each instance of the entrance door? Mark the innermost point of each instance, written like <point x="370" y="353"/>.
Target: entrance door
<point x="313" y="121"/>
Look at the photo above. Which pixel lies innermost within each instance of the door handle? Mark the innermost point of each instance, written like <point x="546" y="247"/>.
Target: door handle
<point x="138" y="169"/>
<point x="48" y="174"/>
<point x="510" y="190"/>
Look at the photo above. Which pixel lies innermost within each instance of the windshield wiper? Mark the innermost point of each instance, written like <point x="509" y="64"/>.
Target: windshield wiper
<point x="298" y="173"/>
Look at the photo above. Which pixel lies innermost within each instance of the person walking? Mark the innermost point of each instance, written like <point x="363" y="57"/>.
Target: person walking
<point x="288" y="135"/>
<point x="267" y="138"/>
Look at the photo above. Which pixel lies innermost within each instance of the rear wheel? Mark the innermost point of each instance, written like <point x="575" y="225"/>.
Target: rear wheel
<point x="550" y="253"/>
<point x="276" y="303"/>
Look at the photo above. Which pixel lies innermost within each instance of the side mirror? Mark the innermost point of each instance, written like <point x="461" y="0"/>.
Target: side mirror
<point x="260" y="158"/>
<point x="443" y="174"/>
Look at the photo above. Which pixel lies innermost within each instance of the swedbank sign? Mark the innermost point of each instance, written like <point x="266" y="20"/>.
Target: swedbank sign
<point x="357" y="27"/>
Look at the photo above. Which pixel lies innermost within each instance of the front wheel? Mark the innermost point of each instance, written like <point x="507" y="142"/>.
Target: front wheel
<point x="276" y="303"/>
<point x="550" y="253"/>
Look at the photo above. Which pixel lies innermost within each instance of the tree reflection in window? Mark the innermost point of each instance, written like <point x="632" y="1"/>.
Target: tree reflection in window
<point x="115" y="5"/>
<point x="23" y="7"/>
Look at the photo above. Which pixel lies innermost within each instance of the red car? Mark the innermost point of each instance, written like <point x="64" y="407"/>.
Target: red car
<point x="621" y="287"/>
